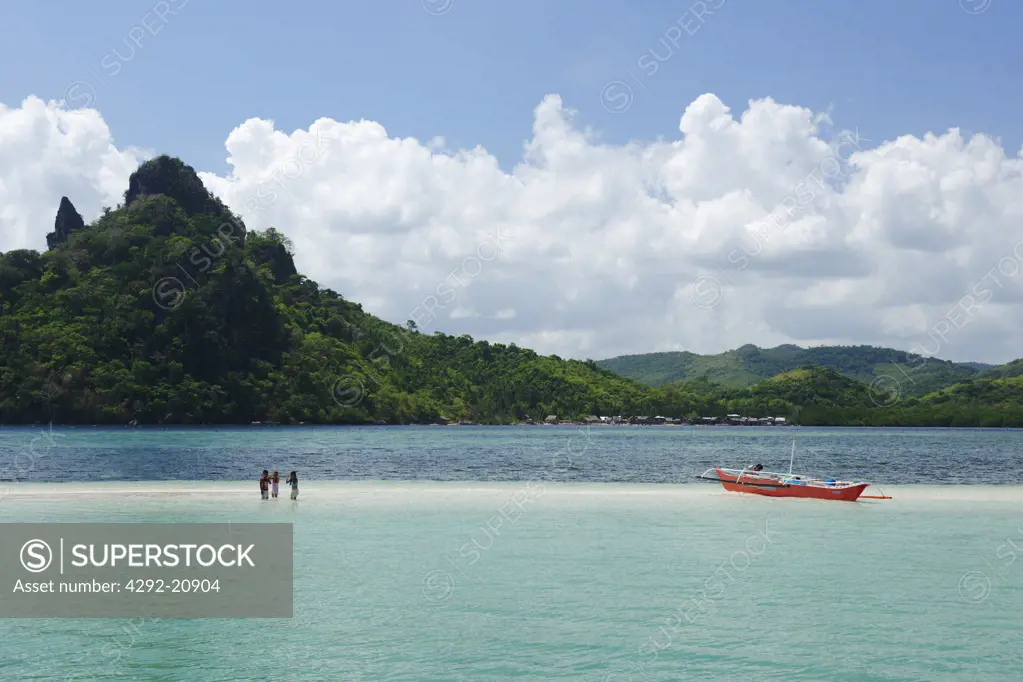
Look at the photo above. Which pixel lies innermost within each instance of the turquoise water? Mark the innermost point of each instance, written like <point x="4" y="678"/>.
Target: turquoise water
<point x="406" y="581"/>
<point x="553" y="553"/>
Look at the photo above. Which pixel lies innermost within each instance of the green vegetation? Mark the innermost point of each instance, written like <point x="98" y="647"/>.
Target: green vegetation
<point x="749" y="365"/>
<point x="168" y="311"/>
<point x="1012" y="369"/>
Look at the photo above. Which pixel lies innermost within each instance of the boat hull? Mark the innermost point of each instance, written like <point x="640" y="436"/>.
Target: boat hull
<point x="750" y="483"/>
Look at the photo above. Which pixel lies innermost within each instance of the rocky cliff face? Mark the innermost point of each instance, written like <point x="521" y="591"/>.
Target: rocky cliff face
<point x="170" y="177"/>
<point x="68" y="221"/>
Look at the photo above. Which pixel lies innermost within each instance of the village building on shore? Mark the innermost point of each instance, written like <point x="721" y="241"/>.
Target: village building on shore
<point x="644" y="420"/>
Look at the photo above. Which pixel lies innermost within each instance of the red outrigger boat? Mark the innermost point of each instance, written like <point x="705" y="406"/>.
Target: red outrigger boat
<point x="758" y="482"/>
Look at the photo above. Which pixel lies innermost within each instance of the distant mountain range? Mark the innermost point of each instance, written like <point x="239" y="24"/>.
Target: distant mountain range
<point x="750" y="365"/>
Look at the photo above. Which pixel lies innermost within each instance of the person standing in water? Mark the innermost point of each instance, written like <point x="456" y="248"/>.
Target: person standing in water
<point x="293" y="482"/>
<point x="264" y="484"/>
<point x="275" y="481"/>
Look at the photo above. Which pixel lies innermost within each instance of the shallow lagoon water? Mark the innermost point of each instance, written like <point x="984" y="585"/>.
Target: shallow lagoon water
<point x="477" y="553"/>
<point x="421" y="581"/>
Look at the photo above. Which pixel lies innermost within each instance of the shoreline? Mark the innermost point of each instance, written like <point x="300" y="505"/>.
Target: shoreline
<point x="309" y="489"/>
<point x="759" y="427"/>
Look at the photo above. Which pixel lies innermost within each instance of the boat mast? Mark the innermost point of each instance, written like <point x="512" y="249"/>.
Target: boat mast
<point x="793" y="457"/>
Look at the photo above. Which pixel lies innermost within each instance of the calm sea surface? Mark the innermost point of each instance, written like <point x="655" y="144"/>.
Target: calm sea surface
<point x="659" y="454"/>
<point x="408" y="565"/>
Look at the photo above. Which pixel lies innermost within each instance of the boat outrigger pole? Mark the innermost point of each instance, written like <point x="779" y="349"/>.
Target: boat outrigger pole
<point x="753" y="479"/>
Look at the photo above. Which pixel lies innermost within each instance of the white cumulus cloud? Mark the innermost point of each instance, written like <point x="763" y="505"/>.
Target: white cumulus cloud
<point x="46" y="153"/>
<point x="767" y="227"/>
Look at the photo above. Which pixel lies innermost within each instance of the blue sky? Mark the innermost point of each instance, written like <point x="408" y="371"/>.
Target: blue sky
<point x="474" y="73"/>
<point x="610" y="250"/>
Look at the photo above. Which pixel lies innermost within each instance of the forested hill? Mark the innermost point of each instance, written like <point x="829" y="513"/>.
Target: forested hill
<point x="749" y="365"/>
<point x="168" y="311"/>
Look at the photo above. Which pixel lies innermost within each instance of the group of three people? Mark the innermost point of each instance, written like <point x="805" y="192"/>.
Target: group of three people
<point x="268" y="482"/>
